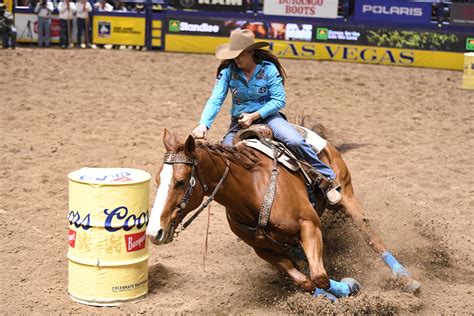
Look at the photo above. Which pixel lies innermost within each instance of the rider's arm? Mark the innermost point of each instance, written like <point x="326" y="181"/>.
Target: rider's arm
<point x="217" y="98"/>
<point x="276" y="92"/>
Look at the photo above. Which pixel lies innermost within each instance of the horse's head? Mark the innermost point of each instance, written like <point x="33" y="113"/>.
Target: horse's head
<point x="178" y="193"/>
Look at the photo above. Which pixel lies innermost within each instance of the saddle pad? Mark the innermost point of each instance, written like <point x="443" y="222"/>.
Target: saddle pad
<point x="314" y="139"/>
<point x="317" y="142"/>
<point x="283" y="159"/>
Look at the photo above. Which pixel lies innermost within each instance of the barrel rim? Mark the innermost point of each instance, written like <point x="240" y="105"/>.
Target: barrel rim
<point x="144" y="176"/>
<point x="107" y="302"/>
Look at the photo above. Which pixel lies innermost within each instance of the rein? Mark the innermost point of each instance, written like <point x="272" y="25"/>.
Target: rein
<point x="173" y="158"/>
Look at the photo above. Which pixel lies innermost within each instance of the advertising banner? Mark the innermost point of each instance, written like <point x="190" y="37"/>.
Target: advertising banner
<point x="211" y="5"/>
<point x="462" y="13"/>
<point x="27" y="28"/>
<point x="393" y="11"/>
<point x="119" y="30"/>
<point x="8" y="4"/>
<point x="329" y="51"/>
<point x="355" y="35"/>
<point x="302" y="8"/>
<point x="396" y="38"/>
<point x="262" y="30"/>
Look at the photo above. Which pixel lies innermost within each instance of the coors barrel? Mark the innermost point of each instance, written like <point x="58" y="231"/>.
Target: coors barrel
<point x="108" y="251"/>
<point x="468" y="76"/>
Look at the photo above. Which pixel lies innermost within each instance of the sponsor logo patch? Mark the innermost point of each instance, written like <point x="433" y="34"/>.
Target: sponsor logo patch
<point x="392" y="10"/>
<point x="72" y="238"/>
<point x="470" y="43"/>
<point x="105" y="29"/>
<point x="135" y="242"/>
<point x="174" y="26"/>
<point x="322" y="33"/>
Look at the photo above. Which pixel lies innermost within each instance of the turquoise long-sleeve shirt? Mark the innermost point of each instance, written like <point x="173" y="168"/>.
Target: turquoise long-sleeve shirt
<point x="264" y="92"/>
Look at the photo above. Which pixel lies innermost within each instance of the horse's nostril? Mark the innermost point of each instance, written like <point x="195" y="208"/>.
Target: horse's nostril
<point x="159" y="235"/>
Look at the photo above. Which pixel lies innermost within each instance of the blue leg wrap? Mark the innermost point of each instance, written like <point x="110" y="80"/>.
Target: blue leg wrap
<point x="320" y="292"/>
<point x="338" y="289"/>
<point x="396" y="267"/>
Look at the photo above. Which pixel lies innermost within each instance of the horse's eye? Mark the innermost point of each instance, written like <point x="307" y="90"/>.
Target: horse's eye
<point x="180" y="183"/>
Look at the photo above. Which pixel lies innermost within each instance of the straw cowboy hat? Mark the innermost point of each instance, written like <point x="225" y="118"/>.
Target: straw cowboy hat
<point x="240" y="40"/>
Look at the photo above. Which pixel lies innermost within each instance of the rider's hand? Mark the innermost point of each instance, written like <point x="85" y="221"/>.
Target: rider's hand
<point x="246" y="119"/>
<point x="200" y="131"/>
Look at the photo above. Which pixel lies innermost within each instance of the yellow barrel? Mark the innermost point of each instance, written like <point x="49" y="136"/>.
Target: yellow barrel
<point x="468" y="77"/>
<point x="108" y="251"/>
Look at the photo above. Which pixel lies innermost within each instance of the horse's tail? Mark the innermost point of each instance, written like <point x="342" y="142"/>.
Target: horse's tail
<point x="319" y="129"/>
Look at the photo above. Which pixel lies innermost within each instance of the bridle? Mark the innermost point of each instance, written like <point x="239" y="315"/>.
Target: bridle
<point x="175" y="158"/>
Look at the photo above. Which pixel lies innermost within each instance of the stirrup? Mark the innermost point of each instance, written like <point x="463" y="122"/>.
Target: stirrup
<point x="330" y="188"/>
<point x="333" y="194"/>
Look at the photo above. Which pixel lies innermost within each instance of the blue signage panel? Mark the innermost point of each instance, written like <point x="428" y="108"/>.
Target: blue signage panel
<point x="393" y="11"/>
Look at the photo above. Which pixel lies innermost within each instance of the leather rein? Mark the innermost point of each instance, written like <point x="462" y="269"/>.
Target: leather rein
<point x="174" y="158"/>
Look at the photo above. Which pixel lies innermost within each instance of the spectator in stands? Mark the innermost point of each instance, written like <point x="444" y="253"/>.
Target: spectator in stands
<point x="120" y="6"/>
<point x="103" y="6"/>
<point x="44" y="9"/>
<point x="7" y="30"/>
<point x="139" y="8"/>
<point x="255" y="78"/>
<point x="66" y="10"/>
<point x="83" y="8"/>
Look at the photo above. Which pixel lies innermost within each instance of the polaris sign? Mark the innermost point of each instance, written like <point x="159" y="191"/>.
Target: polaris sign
<point x="393" y="11"/>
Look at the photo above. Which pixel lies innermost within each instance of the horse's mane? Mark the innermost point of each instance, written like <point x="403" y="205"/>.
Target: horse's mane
<point x="240" y="154"/>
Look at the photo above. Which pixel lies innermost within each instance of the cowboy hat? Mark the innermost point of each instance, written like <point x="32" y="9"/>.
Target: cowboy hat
<point x="240" y="40"/>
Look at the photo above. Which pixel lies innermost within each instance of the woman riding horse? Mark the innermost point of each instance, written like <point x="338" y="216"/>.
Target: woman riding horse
<point x="255" y="78"/>
<point x="192" y="171"/>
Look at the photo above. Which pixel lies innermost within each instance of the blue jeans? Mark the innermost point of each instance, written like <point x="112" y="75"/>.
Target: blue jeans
<point x="44" y="25"/>
<point x="284" y="132"/>
<point x="64" y="32"/>
<point x="9" y="36"/>
<point x="81" y="28"/>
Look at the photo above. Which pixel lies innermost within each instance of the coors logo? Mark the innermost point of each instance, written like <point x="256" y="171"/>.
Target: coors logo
<point x="134" y="242"/>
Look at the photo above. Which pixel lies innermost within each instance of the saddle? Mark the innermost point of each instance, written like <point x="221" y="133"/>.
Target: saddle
<point x="260" y="137"/>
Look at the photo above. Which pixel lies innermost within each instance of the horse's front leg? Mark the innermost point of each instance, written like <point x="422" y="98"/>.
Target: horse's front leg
<point x="312" y="242"/>
<point x="287" y="266"/>
<point x="352" y="207"/>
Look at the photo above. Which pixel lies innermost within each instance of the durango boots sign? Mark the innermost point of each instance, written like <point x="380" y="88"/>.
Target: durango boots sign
<point x="307" y="8"/>
<point x="211" y="5"/>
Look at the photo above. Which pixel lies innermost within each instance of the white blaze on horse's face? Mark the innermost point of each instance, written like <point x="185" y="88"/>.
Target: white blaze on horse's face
<point x="160" y="235"/>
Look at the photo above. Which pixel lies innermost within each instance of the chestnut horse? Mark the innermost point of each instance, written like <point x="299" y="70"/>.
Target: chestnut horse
<point x="237" y="178"/>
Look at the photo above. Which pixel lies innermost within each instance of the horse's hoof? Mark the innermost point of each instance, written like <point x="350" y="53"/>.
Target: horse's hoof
<point x="411" y="286"/>
<point x="354" y="286"/>
<point x="321" y="292"/>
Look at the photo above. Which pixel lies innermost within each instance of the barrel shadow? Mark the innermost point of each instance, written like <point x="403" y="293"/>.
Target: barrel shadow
<point x="158" y="277"/>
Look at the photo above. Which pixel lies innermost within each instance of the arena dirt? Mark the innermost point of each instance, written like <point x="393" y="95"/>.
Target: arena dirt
<point x="411" y="134"/>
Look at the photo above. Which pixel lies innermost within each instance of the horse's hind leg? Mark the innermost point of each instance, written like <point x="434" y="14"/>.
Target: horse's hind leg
<point x="352" y="207"/>
<point x="286" y="265"/>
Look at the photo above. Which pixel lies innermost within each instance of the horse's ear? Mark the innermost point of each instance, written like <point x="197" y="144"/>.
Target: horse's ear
<point x="190" y="147"/>
<point x="170" y="140"/>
